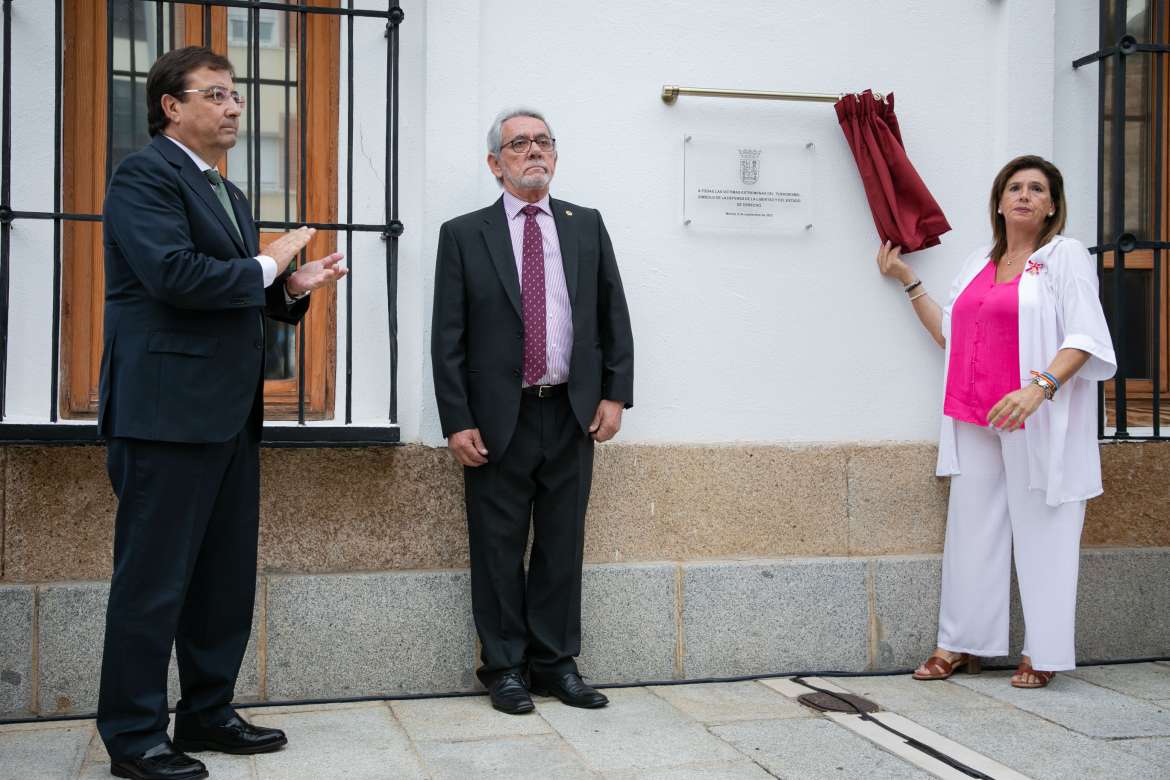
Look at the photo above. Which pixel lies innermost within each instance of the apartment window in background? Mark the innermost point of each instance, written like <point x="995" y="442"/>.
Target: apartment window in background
<point x="271" y="75"/>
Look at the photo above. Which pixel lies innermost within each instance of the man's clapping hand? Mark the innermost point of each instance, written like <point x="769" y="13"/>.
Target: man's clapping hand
<point x="316" y="274"/>
<point x="288" y="246"/>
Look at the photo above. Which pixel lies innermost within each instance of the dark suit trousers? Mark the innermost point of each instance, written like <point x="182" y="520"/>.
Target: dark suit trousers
<point x="544" y="476"/>
<point x="184" y="575"/>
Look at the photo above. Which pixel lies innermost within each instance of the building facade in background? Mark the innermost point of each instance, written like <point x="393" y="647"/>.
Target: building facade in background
<point x="769" y="505"/>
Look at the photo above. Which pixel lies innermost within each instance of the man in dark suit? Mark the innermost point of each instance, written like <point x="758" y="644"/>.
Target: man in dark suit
<point x="533" y="360"/>
<point x="181" y="404"/>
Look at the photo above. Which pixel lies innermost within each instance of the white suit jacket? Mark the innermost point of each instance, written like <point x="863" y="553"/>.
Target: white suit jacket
<point x="1059" y="308"/>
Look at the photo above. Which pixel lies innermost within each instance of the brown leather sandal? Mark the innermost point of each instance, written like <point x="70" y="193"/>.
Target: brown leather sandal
<point x="939" y="668"/>
<point x="1025" y="668"/>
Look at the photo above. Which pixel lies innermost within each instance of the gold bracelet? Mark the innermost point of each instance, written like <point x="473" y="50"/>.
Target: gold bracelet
<point x="916" y="297"/>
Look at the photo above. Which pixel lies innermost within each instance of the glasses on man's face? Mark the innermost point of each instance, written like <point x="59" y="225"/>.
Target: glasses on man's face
<point x="218" y="95"/>
<point x="522" y="145"/>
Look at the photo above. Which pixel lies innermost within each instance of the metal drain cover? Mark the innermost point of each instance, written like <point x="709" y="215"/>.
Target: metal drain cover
<point x="837" y="702"/>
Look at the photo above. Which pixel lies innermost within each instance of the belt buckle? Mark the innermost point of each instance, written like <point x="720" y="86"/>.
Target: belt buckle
<point x="540" y="391"/>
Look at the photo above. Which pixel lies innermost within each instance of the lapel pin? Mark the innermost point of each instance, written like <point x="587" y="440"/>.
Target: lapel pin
<point x="568" y="213"/>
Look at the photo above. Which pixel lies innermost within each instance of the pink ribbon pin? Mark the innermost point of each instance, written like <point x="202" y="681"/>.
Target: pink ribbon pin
<point x="1034" y="268"/>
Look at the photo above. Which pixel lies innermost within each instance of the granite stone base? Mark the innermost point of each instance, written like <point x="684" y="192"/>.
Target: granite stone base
<point x="16" y="631"/>
<point x="71" y="628"/>
<point x="385" y="634"/>
<point x="401" y="508"/>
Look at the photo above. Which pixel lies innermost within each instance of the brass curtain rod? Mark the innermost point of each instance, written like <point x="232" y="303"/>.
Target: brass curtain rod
<point x="670" y="94"/>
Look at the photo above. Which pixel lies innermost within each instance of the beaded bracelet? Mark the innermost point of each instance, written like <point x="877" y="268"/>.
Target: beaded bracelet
<point x="908" y="288"/>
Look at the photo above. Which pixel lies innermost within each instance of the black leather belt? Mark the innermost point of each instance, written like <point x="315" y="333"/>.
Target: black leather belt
<point x="545" y="391"/>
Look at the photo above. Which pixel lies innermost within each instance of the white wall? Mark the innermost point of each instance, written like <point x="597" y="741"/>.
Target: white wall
<point x="1075" y="113"/>
<point x="739" y="337"/>
<point x="745" y="337"/>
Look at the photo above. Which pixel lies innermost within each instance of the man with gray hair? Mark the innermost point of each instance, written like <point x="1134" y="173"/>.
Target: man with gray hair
<point x="533" y="360"/>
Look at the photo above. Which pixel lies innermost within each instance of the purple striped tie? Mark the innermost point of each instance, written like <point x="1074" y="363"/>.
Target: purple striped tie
<point x="532" y="293"/>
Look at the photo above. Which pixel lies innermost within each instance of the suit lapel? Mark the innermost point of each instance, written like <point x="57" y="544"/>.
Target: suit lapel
<point x="499" y="244"/>
<point x="567" y="235"/>
<point x="199" y="184"/>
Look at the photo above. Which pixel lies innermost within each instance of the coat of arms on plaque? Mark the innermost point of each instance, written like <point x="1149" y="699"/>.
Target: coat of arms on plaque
<point x="749" y="165"/>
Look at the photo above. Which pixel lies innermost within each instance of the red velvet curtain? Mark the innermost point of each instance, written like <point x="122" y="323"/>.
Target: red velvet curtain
<point x="904" y="211"/>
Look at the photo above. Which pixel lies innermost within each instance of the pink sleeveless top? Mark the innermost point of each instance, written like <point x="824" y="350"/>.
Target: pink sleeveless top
<point x="985" y="347"/>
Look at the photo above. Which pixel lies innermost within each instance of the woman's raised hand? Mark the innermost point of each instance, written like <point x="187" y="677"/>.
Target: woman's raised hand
<point x="891" y="264"/>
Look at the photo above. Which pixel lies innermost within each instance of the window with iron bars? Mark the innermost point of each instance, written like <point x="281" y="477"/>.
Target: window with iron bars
<point x="1132" y="222"/>
<point x="286" y="56"/>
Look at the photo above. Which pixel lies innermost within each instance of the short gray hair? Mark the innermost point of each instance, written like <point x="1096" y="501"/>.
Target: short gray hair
<point x="495" y="142"/>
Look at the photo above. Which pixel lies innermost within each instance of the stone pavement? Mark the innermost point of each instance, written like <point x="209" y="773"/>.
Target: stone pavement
<point x="1098" y="722"/>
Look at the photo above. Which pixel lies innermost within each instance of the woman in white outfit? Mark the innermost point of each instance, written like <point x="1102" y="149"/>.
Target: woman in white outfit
<point x="1026" y="341"/>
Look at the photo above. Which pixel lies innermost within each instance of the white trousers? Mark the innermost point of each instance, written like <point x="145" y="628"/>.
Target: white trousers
<point x="992" y="512"/>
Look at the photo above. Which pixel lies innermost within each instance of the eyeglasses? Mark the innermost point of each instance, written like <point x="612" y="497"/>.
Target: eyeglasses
<point x="218" y="94"/>
<point x="522" y="145"/>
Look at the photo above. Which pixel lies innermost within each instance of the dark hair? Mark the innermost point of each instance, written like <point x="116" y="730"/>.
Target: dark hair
<point x="1054" y="224"/>
<point x="168" y="76"/>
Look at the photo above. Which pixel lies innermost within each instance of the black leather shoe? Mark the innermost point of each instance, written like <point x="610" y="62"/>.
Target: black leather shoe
<point x="509" y="694"/>
<point x="235" y="735"/>
<point x="161" y="762"/>
<point x="570" y="689"/>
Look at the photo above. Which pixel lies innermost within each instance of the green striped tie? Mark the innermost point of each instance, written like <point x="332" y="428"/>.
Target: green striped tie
<point x="221" y="192"/>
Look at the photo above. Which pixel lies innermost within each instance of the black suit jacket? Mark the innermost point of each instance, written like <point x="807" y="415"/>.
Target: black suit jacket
<point x="477" y="333"/>
<point x="183" y="352"/>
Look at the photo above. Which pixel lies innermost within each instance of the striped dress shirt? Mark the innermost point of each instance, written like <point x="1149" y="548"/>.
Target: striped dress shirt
<point x="557" y="311"/>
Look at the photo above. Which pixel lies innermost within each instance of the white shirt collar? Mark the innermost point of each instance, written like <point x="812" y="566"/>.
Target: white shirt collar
<point x="203" y="166"/>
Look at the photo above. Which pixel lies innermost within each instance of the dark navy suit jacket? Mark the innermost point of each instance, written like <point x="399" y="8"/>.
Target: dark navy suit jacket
<point x="183" y="352"/>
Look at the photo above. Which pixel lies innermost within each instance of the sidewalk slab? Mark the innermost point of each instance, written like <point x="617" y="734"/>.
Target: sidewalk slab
<point x="463" y="718"/>
<point x="726" y="702"/>
<point x="1037" y="748"/>
<point x="902" y="693"/>
<point x="637" y="731"/>
<point x="220" y="765"/>
<point x="358" y="743"/>
<point x="739" y="770"/>
<point x="800" y="748"/>
<point x="1156" y="750"/>
<point x="1145" y="681"/>
<point x="44" y="754"/>
<point x="1077" y="705"/>
<point x="517" y="758"/>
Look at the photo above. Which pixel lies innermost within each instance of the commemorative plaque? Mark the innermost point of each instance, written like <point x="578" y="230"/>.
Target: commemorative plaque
<point x="747" y="184"/>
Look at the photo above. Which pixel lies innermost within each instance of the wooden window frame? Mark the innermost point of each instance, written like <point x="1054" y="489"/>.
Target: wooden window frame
<point x="83" y="169"/>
